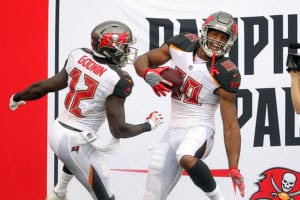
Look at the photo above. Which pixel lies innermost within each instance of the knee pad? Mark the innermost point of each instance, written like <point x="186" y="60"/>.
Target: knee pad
<point x="157" y="160"/>
<point x="153" y="189"/>
<point x="202" y="177"/>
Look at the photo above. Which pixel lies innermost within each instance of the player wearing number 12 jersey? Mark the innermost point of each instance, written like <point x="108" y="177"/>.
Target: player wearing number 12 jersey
<point x="97" y="90"/>
<point x="209" y="80"/>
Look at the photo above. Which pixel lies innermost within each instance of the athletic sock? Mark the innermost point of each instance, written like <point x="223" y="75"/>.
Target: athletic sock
<point x="215" y="195"/>
<point x="62" y="184"/>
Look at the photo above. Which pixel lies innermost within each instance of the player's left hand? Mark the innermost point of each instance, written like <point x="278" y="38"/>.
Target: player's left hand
<point x="154" y="119"/>
<point x="13" y="105"/>
<point x="153" y="78"/>
<point x="237" y="180"/>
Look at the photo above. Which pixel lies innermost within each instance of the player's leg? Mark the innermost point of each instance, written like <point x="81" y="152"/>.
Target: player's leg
<point x="64" y="180"/>
<point x="100" y="177"/>
<point x="164" y="171"/>
<point x="59" y="192"/>
<point x="86" y="163"/>
<point x="195" y="146"/>
<point x="89" y="167"/>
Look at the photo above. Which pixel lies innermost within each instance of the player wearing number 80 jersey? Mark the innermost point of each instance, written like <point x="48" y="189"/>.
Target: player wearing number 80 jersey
<point x="97" y="90"/>
<point x="209" y="80"/>
<point x="196" y="101"/>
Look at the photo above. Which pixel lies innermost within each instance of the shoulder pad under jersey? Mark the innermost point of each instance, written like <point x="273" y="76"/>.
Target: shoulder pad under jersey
<point x="185" y="41"/>
<point x="226" y="73"/>
<point x="74" y="52"/>
<point x="86" y="50"/>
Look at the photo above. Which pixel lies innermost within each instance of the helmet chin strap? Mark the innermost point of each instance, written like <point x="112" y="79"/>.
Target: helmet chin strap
<point x="111" y="58"/>
<point x="213" y="58"/>
<point x="213" y="70"/>
<point x="98" y="54"/>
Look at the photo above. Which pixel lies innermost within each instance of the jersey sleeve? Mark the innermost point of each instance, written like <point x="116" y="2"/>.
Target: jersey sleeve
<point x="124" y="86"/>
<point x="185" y="41"/>
<point x="227" y="75"/>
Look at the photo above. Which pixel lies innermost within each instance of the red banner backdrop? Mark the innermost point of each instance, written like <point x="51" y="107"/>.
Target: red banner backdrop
<point x="23" y="149"/>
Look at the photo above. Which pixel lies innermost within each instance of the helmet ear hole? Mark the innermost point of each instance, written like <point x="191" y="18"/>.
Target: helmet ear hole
<point x="112" y="40"/>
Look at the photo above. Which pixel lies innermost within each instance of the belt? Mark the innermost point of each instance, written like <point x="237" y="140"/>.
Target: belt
<point x="69" y="127"/>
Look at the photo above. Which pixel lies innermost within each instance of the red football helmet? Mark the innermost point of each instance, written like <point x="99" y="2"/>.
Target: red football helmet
<point x="220" y="21"/>
<point x="113" y="40"/>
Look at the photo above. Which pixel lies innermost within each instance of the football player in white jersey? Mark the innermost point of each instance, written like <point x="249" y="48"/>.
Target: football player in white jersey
<point x="209" y="80"/>
<point x="97" y="90"/>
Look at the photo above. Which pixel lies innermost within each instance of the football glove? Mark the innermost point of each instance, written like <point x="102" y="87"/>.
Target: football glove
<point x="237" y="180"/>
<point x="293" y="62"/>
<point x="153" y="78"/>
<point x="154" y="119"/>
<point x="13" y="105"/>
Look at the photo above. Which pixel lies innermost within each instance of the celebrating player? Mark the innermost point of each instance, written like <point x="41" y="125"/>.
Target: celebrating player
<point x="210" y="80"/>
<point x="97" y="89"/>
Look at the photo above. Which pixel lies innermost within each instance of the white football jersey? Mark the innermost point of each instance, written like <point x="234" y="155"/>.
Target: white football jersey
<point x="195" y="103"/>
<point x="90" y="83"/>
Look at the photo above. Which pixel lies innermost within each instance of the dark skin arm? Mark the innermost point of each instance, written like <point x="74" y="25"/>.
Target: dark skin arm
<point x="295" y="90"/>
<point x="116" y="119"/>
<point x="114" y="105"/>
<point x="39" y="89"/>
<point x="154" y="57"/>
<point x="232" y="137"/>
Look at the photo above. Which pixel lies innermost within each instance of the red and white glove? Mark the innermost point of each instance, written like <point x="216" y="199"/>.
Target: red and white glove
<point x="153" y="78"/>
<point x="154" y="119"/>
<point x="13" y="105"/>
<point x="237" y="180"/>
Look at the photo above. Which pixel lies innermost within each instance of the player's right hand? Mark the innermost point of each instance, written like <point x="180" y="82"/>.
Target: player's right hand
<point x="154" y="119"/>
<point x="237" y="180"/>
<point x="13" y="105"/>
<point x="153" y="78"/>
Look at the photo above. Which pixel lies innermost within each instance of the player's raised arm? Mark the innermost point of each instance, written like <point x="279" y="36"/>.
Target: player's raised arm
<point x="146" y="67"/>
